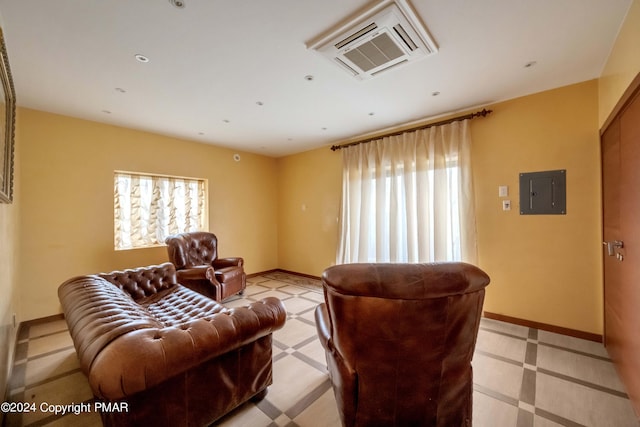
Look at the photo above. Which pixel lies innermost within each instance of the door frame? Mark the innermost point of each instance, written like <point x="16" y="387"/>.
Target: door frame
<point x="624" y="100"/>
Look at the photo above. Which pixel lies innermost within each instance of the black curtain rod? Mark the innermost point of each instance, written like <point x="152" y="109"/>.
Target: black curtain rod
<point x="482" y="113"/>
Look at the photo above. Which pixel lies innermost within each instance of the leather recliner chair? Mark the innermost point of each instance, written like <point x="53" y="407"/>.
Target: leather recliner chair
<point x="399" y="339"/>
<point x="198" y="267"/>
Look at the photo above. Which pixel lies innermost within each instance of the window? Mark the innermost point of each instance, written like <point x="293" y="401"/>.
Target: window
<point x="148" y="208"/>
<point x="394" y="224"/>
<point x="409" y="198"/>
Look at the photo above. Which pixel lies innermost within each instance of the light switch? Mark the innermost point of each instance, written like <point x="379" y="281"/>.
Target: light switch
<point x="506" y="205"/>
<point x="503" y="191"/>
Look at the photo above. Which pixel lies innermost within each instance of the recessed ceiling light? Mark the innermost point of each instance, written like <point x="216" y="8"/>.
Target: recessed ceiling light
<point x="308" y="77"/>
<point x="226" y="121"/>
<point x="260" y="103"/>
<point x="530" y="64"/>
<point x="436" y="93"/>
<point x="119" y="89"/>
<point x="324" y="128"/>
<point x="106" y="111"/>
<point x="200" y="133"/>
<point x="141" y="58"/>
<point x="372" y="113"/>
<point x="177" y="3"/>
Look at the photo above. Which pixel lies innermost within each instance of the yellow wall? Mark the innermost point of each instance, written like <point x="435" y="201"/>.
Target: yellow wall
<point x="543" y="268"/>
<point x="308" y="207"/>
<point x="67" y="200"/>
<point x="623" y="64"/>
<point x="9" y="288"/>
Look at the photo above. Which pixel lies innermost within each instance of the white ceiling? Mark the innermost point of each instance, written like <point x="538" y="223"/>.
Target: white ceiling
<point x="214" y="60"/>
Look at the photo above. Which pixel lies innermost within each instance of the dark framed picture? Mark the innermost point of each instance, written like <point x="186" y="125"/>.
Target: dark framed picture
<point x="7" y="125"/>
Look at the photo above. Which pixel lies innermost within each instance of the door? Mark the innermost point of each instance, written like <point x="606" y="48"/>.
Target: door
<point x="620" y="145"/>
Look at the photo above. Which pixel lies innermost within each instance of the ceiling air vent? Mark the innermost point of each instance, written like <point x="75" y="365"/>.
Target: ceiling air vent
<point x="385" y="36"/>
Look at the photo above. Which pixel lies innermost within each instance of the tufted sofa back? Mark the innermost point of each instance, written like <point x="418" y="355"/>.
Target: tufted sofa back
<point x="143" y="282"/>
<point x="191" y="249"/>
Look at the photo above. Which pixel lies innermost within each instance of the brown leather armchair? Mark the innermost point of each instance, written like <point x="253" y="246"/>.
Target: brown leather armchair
<point x="399" y="339"/>
<point x="195" y="256"/>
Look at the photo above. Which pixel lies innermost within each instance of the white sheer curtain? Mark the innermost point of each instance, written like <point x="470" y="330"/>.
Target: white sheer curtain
<point x="149" y="208"/>
<point x="409" y="198"/>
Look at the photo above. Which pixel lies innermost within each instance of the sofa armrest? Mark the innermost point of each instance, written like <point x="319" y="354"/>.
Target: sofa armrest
<point x="228" y="262"/>
<point x="343" y="377"/>
<point x="199" y="272"/>
<point x="323" y="326"/>
<point x="143" y="358"/>
<point x="98" y="312"/>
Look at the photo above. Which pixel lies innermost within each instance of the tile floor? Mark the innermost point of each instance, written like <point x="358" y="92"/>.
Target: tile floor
<point x="522" y="376"/>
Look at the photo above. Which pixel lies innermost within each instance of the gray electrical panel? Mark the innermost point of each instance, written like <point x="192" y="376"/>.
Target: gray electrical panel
<point x="543" y="193"/>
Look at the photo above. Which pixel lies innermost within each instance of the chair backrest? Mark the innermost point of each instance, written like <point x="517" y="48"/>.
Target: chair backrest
<point x="191" y="249"/>
<point x="409" y="333"/>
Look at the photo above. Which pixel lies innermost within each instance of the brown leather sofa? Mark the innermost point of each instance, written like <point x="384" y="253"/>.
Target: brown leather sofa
<point x="171" y="355"/>
<point x="399" y="339"/>
<point x="195" y="256"/>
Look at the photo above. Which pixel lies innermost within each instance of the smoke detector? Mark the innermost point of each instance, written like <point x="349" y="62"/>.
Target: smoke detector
<point x="385" y="36"/>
